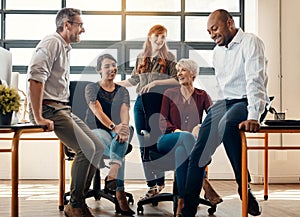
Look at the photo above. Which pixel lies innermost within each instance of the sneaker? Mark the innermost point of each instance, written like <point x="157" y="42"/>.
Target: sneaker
<point x="150" y="192"/>
<point x="160" y="188"/>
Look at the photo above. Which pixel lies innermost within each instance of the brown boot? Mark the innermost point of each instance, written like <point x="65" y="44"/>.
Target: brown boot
<point x="73" y="212"/>
<point x="77" y="212"/>
<point x="210" y="193"/>
<point x="122" y="206"/>
<point x="87" y="211"/>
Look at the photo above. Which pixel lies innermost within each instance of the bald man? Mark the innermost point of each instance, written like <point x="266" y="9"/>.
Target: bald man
<point x="240" y="69"/>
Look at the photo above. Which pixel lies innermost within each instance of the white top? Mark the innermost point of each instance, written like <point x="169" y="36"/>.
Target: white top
<point x="241" y="71"/>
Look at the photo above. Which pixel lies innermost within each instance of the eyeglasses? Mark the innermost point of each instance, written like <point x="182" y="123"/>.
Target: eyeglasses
<point x="79" y="24"/>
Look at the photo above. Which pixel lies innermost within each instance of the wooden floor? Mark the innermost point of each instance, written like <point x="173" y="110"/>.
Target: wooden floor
<point x="40" y="198"/>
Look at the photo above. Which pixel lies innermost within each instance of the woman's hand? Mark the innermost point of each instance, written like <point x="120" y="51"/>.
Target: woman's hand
<point x="147" y="87"/>
<point x="195" y="131"/>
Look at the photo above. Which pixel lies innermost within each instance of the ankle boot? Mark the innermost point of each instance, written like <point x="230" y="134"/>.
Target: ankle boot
<point x="210" y="193"/>
<point x="110" y="186"/>
<point x="122" y="206"/>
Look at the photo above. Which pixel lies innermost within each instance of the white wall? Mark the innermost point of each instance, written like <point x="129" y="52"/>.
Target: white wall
<point x="279" y="30"/>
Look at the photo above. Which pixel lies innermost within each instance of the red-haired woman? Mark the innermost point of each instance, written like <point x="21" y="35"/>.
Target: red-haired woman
<point x="155" y="66"/>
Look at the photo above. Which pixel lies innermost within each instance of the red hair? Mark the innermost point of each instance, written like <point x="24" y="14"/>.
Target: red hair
<point x="163" y="53"/>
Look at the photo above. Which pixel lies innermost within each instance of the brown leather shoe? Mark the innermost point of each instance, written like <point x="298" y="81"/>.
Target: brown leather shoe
<point x="77" y="212"/>
<point x="87" y="211"/>
<point x="210" y="193"/>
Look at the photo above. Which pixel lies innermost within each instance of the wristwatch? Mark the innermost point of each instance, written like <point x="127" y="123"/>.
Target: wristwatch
<point x="112" y="126"/>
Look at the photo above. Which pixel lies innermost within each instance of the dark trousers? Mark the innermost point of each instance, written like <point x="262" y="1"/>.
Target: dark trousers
<point x="153" y="178"/>
<point x="220" y="125"/>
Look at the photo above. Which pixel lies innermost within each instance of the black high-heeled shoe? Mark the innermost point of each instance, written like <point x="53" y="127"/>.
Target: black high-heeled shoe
<point x="121" y="198"/>
<point x="110" y="186"/>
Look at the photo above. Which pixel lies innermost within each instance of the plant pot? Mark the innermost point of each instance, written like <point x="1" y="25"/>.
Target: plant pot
<point x="5" y="119"/>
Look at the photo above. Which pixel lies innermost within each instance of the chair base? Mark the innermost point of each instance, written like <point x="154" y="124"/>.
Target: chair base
<point x="98" y="194"/>
<point x="154" y="201"/>
<point x="170" y="197"/>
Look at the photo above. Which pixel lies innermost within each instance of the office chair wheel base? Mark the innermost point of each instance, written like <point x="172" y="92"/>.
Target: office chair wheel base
<point x="61" y="208"/>
<point x="140" y="210"/>
<point x="97" y="197"/>
<point x="266" y="197"/>
<point x="66" y="198"/>
<point x="212" y="210"/>
<point x="130" y="199"/>
<point x="154" y="203"/>
<point x="96" y="194"/>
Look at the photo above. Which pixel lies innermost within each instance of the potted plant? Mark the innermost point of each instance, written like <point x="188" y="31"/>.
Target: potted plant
<point x="9" y="102"/>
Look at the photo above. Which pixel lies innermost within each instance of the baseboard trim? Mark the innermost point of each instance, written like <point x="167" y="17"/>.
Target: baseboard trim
<point x="276" y="180"/>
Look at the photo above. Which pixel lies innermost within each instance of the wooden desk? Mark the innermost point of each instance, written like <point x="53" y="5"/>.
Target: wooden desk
<point x="18" y="130"/>
<point x="266" y="130"/>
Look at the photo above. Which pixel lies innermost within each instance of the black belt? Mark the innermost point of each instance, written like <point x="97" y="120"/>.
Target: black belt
<point x="233" y="101"/>
<point x="51" y="102"/>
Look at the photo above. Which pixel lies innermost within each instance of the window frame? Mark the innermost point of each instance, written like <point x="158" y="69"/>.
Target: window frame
<point x="122" y="46"/>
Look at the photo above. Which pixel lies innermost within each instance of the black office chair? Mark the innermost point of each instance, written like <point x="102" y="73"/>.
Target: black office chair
<point x="80" y="108"/>
<point x="155" y="161"/>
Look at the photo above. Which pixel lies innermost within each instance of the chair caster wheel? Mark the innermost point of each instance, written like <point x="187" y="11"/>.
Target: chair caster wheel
<point x="140" y="210"/>
<point x="212" y="210"/>
<point x="130" y="200"/>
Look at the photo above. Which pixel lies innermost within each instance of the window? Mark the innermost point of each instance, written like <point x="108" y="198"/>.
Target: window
<point x="149" y="5"/>
<point x="115" y="26"/>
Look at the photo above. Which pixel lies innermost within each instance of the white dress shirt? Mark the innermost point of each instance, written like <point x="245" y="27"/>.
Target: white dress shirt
<point x="241" y="71"/>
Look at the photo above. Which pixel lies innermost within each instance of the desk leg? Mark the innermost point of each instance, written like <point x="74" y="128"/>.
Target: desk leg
<point x="61" y="176"/>
<point x="244" y="176"/>
<point x="266" y="170"/>
<point x="15" y="174"/>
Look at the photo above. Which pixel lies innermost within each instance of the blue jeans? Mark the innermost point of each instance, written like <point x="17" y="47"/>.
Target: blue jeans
<point x="181" y="144"/>
<point x="75" y="134"/>
<point x="116" y="152"/>
<point x="157" y="178"/>
<point x="220" y="125"/>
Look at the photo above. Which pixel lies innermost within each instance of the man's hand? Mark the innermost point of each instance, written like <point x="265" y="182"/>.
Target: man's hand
<point x="46" y="122"/>
<point x="122" y="131"/>
<point x="249" y="126"/>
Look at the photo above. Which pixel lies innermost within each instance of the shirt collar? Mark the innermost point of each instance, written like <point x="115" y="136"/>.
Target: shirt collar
<point x="237" y="38"/>
<point x="67" y="46"/>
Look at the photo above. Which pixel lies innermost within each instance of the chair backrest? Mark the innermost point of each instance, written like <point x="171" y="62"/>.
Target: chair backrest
<point x="152" y="103"/>
<point x="79" y="104"/>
